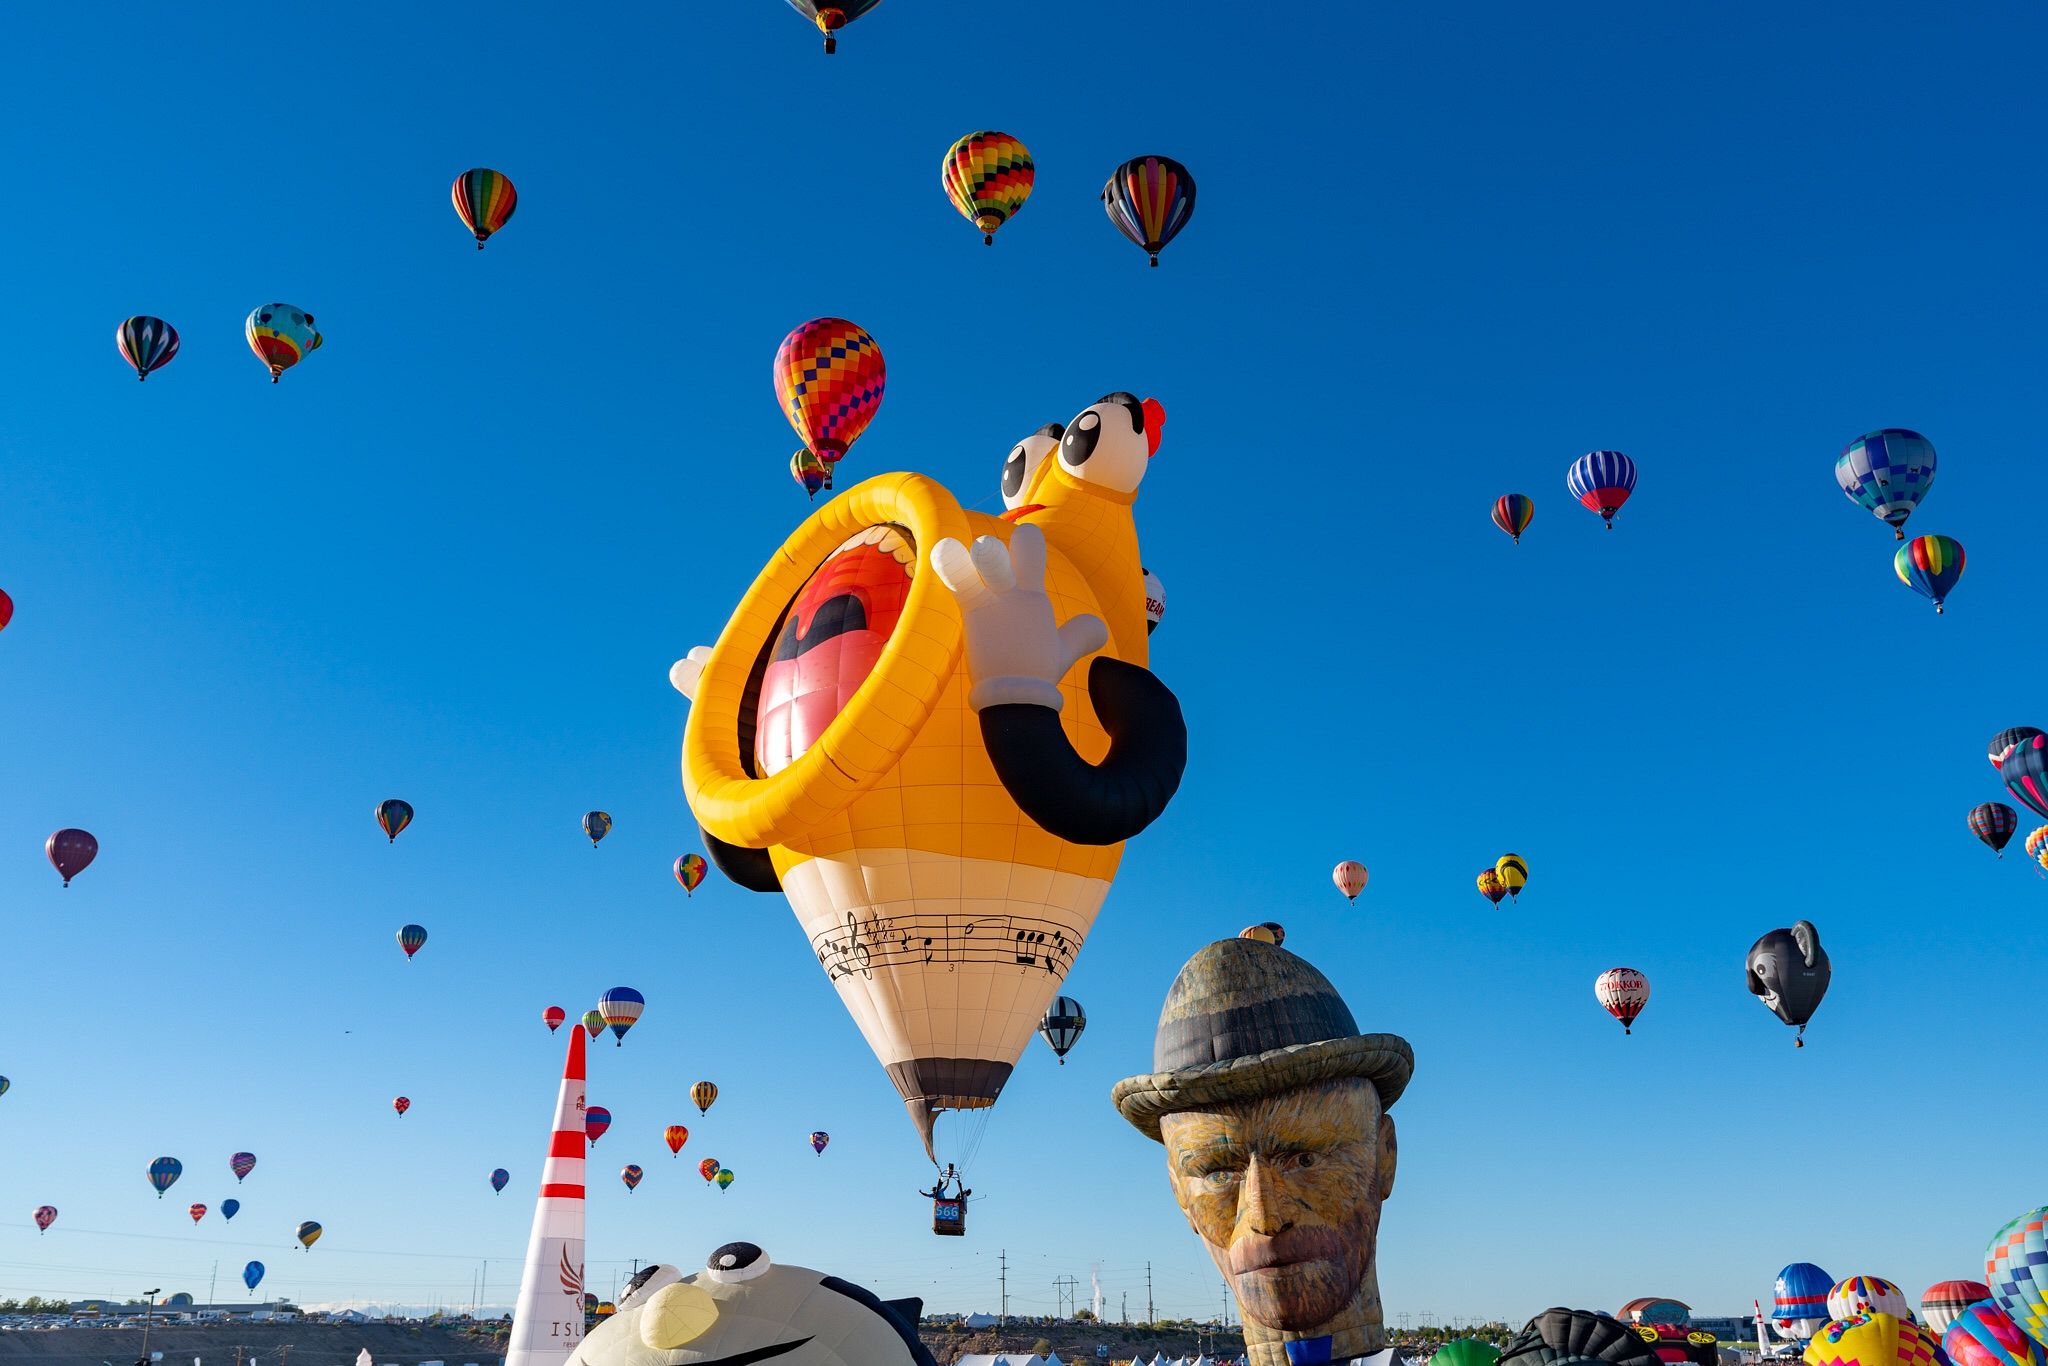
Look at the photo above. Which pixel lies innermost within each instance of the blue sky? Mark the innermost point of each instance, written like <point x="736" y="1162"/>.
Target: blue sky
<point x="1439" y="252"/>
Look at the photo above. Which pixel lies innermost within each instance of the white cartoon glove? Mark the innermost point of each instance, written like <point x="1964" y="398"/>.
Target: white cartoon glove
<point x="1014" y="651"/>
<point x="682" y="675"/>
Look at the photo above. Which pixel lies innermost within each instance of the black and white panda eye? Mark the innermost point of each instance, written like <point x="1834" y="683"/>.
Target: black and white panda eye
<point x="1022" y="466"/>
<point x="1104" y="448"/>
<point x="1080" y="439"/>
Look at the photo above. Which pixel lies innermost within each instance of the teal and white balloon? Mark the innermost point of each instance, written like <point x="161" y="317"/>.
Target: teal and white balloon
<point x="1887" y="471"/>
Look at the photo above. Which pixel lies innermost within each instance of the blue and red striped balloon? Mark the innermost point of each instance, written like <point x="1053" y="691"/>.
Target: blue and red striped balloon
<point x="1602" y="481"/>
<point x="1994" y="823"/>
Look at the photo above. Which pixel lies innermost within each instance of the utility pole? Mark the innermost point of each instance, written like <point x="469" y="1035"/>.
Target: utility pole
<point x="1150" y="1317"/>
<point x="1003" y="1280"/>
<point x="210" y="1284"/>
<point x="148" y="1309"/>
<point x="1063" y="1288"/>
<point x="1124" y="1299"/>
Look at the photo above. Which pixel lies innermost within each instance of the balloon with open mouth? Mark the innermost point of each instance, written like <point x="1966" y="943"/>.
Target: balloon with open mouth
<point x="892" y="732"/>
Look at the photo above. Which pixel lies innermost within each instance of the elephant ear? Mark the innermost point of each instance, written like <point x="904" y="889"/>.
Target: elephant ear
<point x="1808" y="940"/>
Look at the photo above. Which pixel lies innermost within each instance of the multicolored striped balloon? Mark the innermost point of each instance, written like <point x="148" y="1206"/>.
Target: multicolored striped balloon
<point x="45" y="1216"/>
<point x="393" y="816"/>
<point x="1887" y="471"/>
<point x="596" y="1119"/>
<point x="1942" y="1303"/>
<point x="1994" y="823"/>
<point x="411" y="938"/>
<point x="829" y="379"/>
<point x="484" y="200"/>
<point x="597" y="824"/>
<point x="2037" y="841"/>
<point x="832" y="17"/>
<point x="708" y="1168"/>
<point x="2025" y="772"/>
<point x="1512" y="513"/>
<point x="593" y="1022"/>
<point x="309" y="1233"/>
<point x="164" y="1173"/>
<point x="631" y="1174"/>
<point x="1867" y="1294"/>
<point x="725" y="1178"/>
<point x="241" y="1164"/>
<point x="2016" y="1269"/>
<point x="819" y="1138"/>
<point x="1982" y="1334"/>
<point x="690" y="870"/>
<point x="988" y="176"/>
<point x="1874" y="1339"/>
<point x="1930" y="566"/>
<point x="1602" y="482"/>
<point x="197" y="1212"/>
<point x="809" y="471"/>
<point x="2006" y="741"/>
<point x="702" y="1095"/>
<point x="1150" y="199"/>
<point x="675" y="1135"/>
<point x="281" y="336"/>
<point x="621" y="1006"/>
<point x="146" y="343"/>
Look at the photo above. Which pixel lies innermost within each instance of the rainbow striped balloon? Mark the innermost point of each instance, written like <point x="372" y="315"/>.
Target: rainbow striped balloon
<point x="1930" y="566"/>
<point x="988" y="176"/>
<point x="1512" y="513"/>
<point x="484" y="200"/>
<point x="146" y="343"/>
<point x="1150" y="199"/>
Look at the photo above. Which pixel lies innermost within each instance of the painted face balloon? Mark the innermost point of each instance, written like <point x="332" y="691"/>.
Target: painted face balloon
<point x="1788" y="971"/>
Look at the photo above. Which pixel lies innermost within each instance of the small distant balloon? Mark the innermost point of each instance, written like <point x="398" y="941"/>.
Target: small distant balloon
<point x="1602" y="482"/>
<point x="241" y="1164"/>
<point x="702" y="1095"/>
<point x="148" y="344"/>
<point x="1622" y="993"/>
<point x="725" y="1177"/>
<point x="1350" y="877"/>
<point x="309" y="1233"/>
<point x="620" y="1007"/>
<point x="1062" y="1025"/>
<point x="1266" y="932"/>
<point x="401" y="1104"/>
<point x="1490" y="886"/>
<point x="6" y="610"/>
<point x="1149" y="200"/>
<point x="197" y="1212"/>
<point x="988" y="176"/>
<point x="831" y="17"/>
<point x="631" y="1174"/>
<point x="499" y="1176"/>
<point x="71" y="852"/>
<point x="819" y="1138"/>
<point x="230" y="1208"/>
<point x="45" y="1216"/>
<point x="164" y="1173"/>
<point x="552" y="1017"/>
<point x="1155" y="601"/>
<point x="252" y="1275"/>
<point x="596" y="1119"/>
<point x="393" y="816"/>
<point x="1994" y="824"/>
<point x="484" y="199"/>
<point x="593" y="1023"/>
<point x="708" y="1168"/>
<point x="1887" y="472"/>
<point x="675" y="1135"/>
<point x="690" y="870"/>
<point x="281" y="336"/>
<point x="596" y="824"/>
<point x="1931" y="566"/>
<point x="4" y="1084"/>
<point x="1513" y="873"/>
<point x="1512" y="513"/>
<point x="808" y="470"/>
<point x="411" y="938"/>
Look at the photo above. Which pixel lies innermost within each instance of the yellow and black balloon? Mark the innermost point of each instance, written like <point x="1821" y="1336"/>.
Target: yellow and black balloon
<point x="891" y="732"/>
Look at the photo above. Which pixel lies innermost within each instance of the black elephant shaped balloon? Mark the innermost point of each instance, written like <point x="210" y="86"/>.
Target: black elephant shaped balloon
<point x="1788" y="971"/>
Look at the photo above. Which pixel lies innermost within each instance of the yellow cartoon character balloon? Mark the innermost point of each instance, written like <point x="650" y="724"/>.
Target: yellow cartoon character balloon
<point x="892" y="732"/>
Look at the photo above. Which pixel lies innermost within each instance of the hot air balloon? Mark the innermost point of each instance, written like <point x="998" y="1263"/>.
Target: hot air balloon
<point x="1512" y="513"/>
<point x="631" y="1174"/>
<point x="596" y="1119"/>
<point x="146" y="343"/>
<point x="1887" y="471"/>
<point x="593" y="1022"/>
<point x="675" y="1135"/>
<point x="45" y="1216"/>
<point x="2037" y="842"/>
<point x="484" y="200"/>
<point x="1465" y="1352"/>
<point x="1788" y="971"/>
<point x="988" y="177"/>
<point x="1602" y="481"/>
<point x="690" y="869"/>
<point x="724" y="1177"/>
<point x="164" y="1173"/>
<point x="4" y="1084"/>
<point x="1622" y="993"/>
<point x="2016" y="1269"/>
<point x="819" y="1138"/>
<point x="1350" y="877"/>
<point x="1800" y="1305"/>
<point x="1930" y="566"/>
<point x="1867" y="1295"/>
<point x="309" y="1233"/>
<point x="1513" y="873"/>
<point x="1579" y="1337"/>
<point x="620" y="1007"/>
<point x="6" y="610"/>
<point x="241" y="1164"/>
<point x="832" y="17"/>
<point x="230" y="1208"/>
<point x="2008" y="740"/>
<point x="1150" y="199"/>
<point x="281" y="336"/>
<point x="401" y="1104"/>
<point x="499" y="1177"/>
<point x="596" y="824"/>
<point x="1266" y="932"/>
<point x="1874" y="1339"/>
<point x="702" y="1095"/>
<point x="829" y="379"/>
<point x="708" y="1169"/>
<point x="808" y="470"/>
<point x="252" y="1274"/>
<point x="1155" y="602"/>
<point x="2025" y="772"/>
<point x="1982" y="1334"/>
<point x="410" y="938"/>
<point x="71" y="852"/>
<point x="1942" y="1303"/>
<point x="1994" y="823"/>
<point x="1489" y="885"/>
<point x="552" y="1017"/>
<point x="197" y="1212"/>
<point x="393" y="816"/>
<point x="1062" y="1024"/>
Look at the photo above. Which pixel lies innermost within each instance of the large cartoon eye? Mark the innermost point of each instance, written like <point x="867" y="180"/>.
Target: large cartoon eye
<point x="1106" y="444"/>
<point x="1022" y="466"/>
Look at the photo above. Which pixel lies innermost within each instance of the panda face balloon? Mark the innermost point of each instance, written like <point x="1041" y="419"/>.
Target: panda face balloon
<point x="744" y="1308"/>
